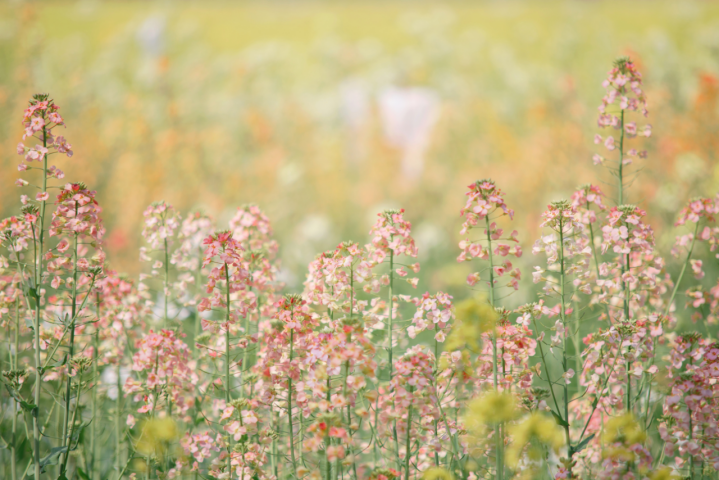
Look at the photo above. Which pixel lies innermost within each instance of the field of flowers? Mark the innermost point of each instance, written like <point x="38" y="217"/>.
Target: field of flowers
<point x="555" y="328"/>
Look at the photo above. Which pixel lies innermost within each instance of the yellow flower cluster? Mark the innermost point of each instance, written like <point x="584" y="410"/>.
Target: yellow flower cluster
<point x="490" y="408"/>
<point x="437" y="473"/>
<point x="664" y="473"/>
<point x="620" y="433"/>
<point x="538" y="430"/>
<point x="474" y="317"/>
<point x="156" y="436"/>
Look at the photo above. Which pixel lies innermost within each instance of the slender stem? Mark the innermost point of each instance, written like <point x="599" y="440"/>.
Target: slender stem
<point x="72" y="424"/>
<point x="681" y="273"/>
<point x="621" y="160"/>
<point x="118" y="425"/>
<point x="499" y="441"/>
<point x="546" y="369"/>
<point x="408" y="437"/>
<point x="13" y="359"/>
<point x="198" y="276"/>
<point x="390" y="313"/>
<point x="246" y="354"/>
<point x="93" y="425"/>
<point x="166" y="288"/>
<point x="577" y="347"/>
<point x="691" y="427"/>
<point x="36" y="325"/>
<point x="71" y="351"/>
<point x="328" y="464"/>
<point x="436" y="421"/>
<point x="275" y="424"/>
<point x="289" y="405"/>
<point x="227" y="364"/>
<point x="563" y="316"/>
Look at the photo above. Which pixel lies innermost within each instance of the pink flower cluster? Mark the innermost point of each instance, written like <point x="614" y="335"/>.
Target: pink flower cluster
<point x="163" y="360"/>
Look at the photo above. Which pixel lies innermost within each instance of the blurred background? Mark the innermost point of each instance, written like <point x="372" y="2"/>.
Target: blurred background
<point x="325" y="113"/>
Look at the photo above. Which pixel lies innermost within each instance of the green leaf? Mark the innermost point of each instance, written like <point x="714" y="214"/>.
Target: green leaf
<point x="14" y="394"/>
<point x="79" y="430"/>
<point x="81" y="473"/>
<point x="53" y="457"/>
<point x="59" y="363"/>
<point x="50" y="459"/>
<point x="580" y="446"/>
<point x="29" y="323"/>
<point x="559" y="420"/>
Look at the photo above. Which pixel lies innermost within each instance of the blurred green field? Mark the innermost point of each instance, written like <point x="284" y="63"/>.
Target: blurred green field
<point x="243" y="102"/>
<point x="229" y="26"/>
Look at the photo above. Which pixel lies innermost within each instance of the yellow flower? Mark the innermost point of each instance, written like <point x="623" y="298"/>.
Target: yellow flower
<point x="437" y="473"/>
<point x="490" y="408"/>
<point x="620" y="433"/>
<point x="624" y="429"/>
<point x="155" y="436"/>
<point x="664" y="473"/>
<point x="536" y="428"/>
<point x="474" y="317"/>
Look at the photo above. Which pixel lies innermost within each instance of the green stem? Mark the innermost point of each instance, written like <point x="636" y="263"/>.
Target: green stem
<point x="563" y="316"/>
<point x="167" y="283"/>
<point x="276" y="422"/>
<point x="499" y="441"/>
<point x="328" y="464"/>
<point x="621" y="160"/>
<point x="13" y="359"/>
<point x="546" y="369"/>
<point x="36" y="330"/>
<point x="227" y="364"/>
<point x="71" y="351"/>
<point x="390" y="314"/>
<point x="691" y="430"/>
<point x="198" y="277"/>
<point x="681" y="273"/>
<point x="93" y="429"/>
<point x="118" y="424"/>
<point x="289" y="405"/>
<point x="408" y="437"/>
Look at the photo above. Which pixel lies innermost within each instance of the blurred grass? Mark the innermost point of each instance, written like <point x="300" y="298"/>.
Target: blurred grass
<point x="241" y="104"/>
<point x="229" y="26"/>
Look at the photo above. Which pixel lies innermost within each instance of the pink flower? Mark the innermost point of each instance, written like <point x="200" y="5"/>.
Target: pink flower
<point x="609" y="143"/>
<point x="37" y="123"/>
<point x="335" y="452"/>
<point x="42" y="197"/>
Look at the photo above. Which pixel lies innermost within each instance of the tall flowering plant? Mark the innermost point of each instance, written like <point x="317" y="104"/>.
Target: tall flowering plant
<point x="226" y="283"/>
<point x="251" y="227"/>
<point x="595" y="377"/>
<point x="484" y="206"/>
<point x="40" y="120"/>
<point x="161" y="224"/>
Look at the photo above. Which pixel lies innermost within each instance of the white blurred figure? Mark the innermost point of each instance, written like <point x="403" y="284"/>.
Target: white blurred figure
<point x="151" y="35"/>
<point x="355" y="111"/>
<point x="408" y="116"/>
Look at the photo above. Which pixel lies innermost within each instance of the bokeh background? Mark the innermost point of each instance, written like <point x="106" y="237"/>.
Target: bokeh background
<point x="325" y="113"/>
